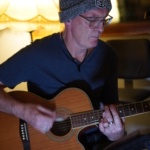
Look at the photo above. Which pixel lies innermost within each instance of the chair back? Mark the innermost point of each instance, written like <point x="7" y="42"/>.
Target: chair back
<point x="133" y="58"/>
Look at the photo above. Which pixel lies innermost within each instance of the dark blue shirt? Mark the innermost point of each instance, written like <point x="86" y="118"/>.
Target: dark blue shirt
<point x="48" y="68"/>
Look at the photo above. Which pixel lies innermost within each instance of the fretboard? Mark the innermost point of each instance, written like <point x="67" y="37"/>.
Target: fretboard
<point x="85" y="118"/>
<point x="133" y="108"/>
<point x="93" y="117"/>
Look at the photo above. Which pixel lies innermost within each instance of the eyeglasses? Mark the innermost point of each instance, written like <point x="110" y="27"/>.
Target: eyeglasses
<point x="95" y="22"/>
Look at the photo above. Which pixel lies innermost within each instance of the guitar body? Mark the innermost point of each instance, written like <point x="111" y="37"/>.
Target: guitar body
<point x="69" y="101"/>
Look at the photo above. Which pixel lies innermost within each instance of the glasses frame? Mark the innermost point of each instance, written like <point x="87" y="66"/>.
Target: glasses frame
<point x="100" y="21"/>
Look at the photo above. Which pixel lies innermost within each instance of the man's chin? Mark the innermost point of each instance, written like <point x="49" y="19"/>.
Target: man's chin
<point x="94" y="43"/>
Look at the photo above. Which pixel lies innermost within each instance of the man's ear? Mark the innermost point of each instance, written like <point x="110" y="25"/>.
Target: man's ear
<point x="67" y="23"/>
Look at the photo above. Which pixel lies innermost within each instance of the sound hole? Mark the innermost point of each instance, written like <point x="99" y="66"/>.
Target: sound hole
<point x="61" y="128"/>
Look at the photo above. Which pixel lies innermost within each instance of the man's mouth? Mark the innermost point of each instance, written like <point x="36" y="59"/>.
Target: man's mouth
<point x="95" y="37"/>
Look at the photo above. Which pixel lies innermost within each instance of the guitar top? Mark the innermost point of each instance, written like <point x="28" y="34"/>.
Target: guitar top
<point x="69" y="101"/>
<point x="73" y="103"/>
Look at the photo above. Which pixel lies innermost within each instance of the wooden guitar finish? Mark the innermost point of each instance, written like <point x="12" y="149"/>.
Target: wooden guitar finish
<point x="72" y="100"/>
<point x="74" y="104"/>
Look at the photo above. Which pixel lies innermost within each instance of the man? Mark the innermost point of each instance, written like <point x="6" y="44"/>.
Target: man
<point x="74" y="58"/>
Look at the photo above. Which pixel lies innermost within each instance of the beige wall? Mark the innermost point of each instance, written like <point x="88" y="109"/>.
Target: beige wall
<point x="10" y="42"/>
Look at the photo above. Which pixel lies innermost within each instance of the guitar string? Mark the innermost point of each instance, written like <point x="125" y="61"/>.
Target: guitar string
<point x="55" y="128"/>
<point x="80" y="123"/>
<point x="118" y="107"/>
<point x="69" y="126"/>
<point x="137" y="107"/>
<point x="127" y="105"/>
<point x="85" y="123"/>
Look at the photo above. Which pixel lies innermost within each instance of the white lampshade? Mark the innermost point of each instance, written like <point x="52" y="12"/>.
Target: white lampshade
<point x="30" y="15"/>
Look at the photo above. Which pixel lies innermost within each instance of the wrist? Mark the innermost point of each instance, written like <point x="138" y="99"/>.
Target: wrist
<point x="18" y="110"/>
<point x="115" y="139"/>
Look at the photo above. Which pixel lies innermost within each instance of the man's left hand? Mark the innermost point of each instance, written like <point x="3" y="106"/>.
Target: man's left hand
<point x="111" y="124"/>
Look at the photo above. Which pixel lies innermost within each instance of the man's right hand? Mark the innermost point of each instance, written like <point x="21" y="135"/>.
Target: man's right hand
<point x="39" y="117"/>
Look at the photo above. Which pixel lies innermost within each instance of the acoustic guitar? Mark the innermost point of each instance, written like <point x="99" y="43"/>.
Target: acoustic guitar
<point x="72" y="103"/>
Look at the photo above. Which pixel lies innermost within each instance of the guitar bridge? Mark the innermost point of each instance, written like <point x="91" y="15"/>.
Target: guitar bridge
<point x="24" y="134"/>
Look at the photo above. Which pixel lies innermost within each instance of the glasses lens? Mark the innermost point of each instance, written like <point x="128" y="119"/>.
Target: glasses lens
<point x="107" y="21"/>
<point x="96" y="23"/>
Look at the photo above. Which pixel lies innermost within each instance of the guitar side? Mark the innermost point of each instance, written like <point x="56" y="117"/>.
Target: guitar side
<point x="73" y="100"/>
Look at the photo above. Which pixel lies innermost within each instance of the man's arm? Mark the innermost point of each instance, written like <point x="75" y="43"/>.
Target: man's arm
<point x="37" y="116"/>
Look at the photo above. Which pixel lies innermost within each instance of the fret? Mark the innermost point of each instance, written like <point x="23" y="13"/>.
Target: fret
<point x="146" y="106"/>
<point x="132" y="109"/>
<point x="139" y="108"/>
<point x="97" y="114"/>
<point x="92" y="117"/>
<point x="126" y="110"/>
<point x="120" y="111"/>
<point x="83" y="119"/>
<point x="87" y="118"/>
<point x="80" y="121"/>
<point x="74" y="120"/>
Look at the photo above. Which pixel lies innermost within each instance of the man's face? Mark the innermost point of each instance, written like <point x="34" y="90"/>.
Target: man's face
<point x="81" y="31"/>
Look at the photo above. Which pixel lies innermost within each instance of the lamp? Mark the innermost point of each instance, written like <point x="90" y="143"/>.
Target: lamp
<point x="30" y="15"/>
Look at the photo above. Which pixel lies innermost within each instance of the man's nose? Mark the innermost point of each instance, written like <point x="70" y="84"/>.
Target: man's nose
<point x="100" y="26"/>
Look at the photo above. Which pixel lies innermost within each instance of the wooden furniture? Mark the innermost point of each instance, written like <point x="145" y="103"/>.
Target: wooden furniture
<point x="128" y="28"/>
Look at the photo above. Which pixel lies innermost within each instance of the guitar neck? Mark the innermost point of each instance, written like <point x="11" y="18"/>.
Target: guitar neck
<point x="85" y="118"/>
<point x="93" y="117"/>
<point x="133" y="108"/>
